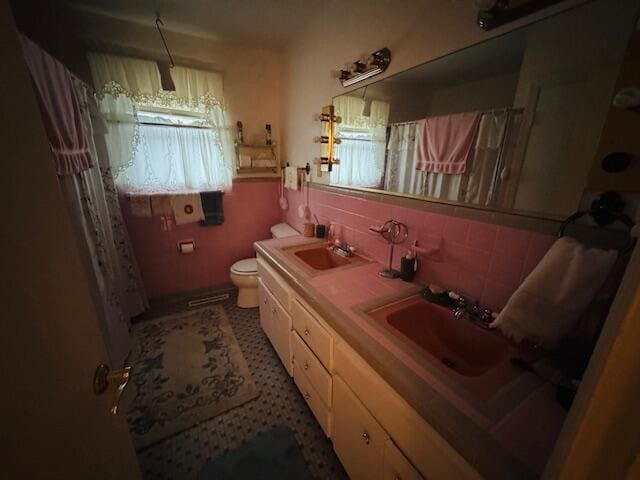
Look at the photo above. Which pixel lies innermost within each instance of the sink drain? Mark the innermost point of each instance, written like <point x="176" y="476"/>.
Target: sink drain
<point x="448" y="362"/>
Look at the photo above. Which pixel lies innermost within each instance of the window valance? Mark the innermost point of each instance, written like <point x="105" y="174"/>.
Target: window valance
<point x="139" y="80"/>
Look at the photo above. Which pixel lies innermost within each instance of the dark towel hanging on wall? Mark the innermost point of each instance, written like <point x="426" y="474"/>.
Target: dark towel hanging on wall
<point x="212" y="208"/>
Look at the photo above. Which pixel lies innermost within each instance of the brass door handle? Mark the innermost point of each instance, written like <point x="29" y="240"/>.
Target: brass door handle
<point x="104" y="376"/>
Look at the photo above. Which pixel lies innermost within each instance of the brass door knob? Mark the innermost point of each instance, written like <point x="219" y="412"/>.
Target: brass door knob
<point x="104" y="376"/>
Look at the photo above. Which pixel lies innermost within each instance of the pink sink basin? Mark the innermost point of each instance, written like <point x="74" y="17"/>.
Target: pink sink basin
<point x="458" y="344"/>
<point x="321" y="258"/>
<point x="472" y="356"/>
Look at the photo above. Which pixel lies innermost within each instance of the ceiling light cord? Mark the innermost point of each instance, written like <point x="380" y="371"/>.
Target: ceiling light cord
<point x="159" y="23"/>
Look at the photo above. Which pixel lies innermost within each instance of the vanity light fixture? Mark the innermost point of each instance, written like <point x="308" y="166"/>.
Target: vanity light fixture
<point x="360" y="70"/>
<point x="493" y="13"/>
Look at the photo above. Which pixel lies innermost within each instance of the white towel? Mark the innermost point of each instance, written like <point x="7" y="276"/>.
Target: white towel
<point x="550" y="301"/>
<point x="187" y="208"/>
<point x="291" y="179"/>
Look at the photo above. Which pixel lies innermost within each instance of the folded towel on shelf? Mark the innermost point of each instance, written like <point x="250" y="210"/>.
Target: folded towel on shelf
<point x="161" y="205"/>
<point x="550" y="301"/>
<point x="212" y="207"/>
<point x="245" y="160"/>
<point x="186" y="208"/>
<point x="140" y="205"/>
<point x="447" y="142"/>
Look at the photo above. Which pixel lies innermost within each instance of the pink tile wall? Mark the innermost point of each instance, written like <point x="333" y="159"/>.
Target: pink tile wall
<point x="249" y="211"/>
<point x="484" y="261"/>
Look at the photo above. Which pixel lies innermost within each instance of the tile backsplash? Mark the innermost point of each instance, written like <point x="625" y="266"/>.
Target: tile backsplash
<point x="250" y="209"/>
<point x="481" y="260"/>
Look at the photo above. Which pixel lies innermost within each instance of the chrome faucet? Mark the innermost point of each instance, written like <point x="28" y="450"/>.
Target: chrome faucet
<point x="461" y="308"/>
<point x="343" y="248"/>
<point x="476" y="312"/>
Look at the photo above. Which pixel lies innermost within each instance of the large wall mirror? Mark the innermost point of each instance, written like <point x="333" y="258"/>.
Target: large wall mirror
<point x="512" y="123"/>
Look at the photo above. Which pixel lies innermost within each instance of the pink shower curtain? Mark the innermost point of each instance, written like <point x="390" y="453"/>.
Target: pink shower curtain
<point x="60" y="110"/>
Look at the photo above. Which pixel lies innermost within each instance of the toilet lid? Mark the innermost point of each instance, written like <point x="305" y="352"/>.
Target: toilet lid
<point x="246" y="266"/>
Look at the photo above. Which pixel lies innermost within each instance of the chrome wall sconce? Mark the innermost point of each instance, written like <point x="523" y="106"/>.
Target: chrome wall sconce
<point x="360" y="70"/>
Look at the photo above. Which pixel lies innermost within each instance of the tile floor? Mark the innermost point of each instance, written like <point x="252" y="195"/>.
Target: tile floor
<point x="280" y="403"/>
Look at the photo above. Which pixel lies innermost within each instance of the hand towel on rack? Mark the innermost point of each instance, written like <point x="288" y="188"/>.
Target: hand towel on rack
<point x="550" y="301"/>
<point x="447" y="142"/>
<point x="187" y="208"/>
<point x="212" y="208"/>
<point x="140" y="205"/>
<point x="161" y="205"/>
<point x="291" y="178"/>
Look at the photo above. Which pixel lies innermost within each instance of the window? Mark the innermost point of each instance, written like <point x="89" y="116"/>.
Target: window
<point x="175" y="152"/>
<point x="163" y="141"/>
<point x="361" y="150"/>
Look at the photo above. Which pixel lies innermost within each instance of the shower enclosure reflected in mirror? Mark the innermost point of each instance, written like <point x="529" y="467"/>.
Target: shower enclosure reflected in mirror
<point x="512" y="123"/>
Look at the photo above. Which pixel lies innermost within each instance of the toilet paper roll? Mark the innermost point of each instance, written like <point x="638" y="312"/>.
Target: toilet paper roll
<point x="186" y="247"/>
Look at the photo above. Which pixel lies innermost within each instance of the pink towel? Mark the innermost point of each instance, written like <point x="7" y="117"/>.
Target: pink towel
<point x="446" y="143"/>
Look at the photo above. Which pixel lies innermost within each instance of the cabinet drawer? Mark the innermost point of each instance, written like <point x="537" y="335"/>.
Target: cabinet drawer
<point x="310" y="330"/>
<point x="274" y="282"/>
<point x="396" y="465"/>
<point x="311" y="367"/>
<point x="319" y="409"/>
<point x="358" y="438"/>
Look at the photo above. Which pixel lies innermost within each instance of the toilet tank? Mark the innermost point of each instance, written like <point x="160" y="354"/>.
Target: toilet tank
<point x="283" y="230"/>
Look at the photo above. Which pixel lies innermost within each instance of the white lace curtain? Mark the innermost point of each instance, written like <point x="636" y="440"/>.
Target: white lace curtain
<point x="163" y="158"/>
<point x="362" y="148"/>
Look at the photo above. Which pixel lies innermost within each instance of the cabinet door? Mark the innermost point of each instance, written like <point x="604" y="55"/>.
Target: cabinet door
<point x="265" y="300"/>
<point x="358" y="439"/>
<point x="396" y="465"/>
<point x="281" y="322"/>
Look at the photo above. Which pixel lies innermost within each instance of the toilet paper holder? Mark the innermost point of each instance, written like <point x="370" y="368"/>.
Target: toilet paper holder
<point x="186" y="246"/>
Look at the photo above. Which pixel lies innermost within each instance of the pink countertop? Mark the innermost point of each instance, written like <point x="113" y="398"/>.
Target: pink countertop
<point x="491" y="433"/>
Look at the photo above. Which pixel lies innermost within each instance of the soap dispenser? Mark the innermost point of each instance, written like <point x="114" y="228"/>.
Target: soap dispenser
<point x="408" y="266"/>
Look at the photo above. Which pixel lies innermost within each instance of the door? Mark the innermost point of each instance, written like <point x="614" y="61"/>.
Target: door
<point x="53" y="425"/>
<point x="358" y="439"/>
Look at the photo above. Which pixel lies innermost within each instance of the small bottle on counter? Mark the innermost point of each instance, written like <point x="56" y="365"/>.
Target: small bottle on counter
<point x="408" y="266"/>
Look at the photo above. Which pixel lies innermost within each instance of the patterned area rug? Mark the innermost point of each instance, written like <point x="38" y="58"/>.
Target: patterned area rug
<point x="186" y="368"/>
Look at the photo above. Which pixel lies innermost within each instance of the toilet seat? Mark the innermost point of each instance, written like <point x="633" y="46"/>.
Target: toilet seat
<point x="247" y="266"/>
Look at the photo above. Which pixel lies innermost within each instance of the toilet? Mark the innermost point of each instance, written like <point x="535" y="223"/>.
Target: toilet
<point x="244" y="273"/>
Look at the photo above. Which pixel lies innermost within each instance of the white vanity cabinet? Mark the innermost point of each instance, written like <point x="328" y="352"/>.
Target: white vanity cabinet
<point x="375" y="432"/>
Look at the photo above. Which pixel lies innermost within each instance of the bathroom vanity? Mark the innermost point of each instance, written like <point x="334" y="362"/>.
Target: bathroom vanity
<point x="391" y="405"/>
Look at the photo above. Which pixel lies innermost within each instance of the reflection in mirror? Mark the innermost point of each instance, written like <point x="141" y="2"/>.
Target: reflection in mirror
<point x="512" y="123"/>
